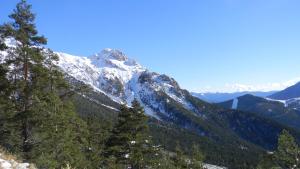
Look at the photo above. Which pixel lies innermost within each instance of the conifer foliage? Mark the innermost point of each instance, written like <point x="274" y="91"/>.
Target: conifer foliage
<point x="196" y="158"/>
<point x="179" y="159"/>
<point x="130" y="144"/>
<point x="288" y="152"/>
<point x="35" y="121"/>
<point x="285" y="157"/>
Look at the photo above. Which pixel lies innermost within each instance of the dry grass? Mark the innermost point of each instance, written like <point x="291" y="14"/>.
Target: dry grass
<point x="6" y="155"/>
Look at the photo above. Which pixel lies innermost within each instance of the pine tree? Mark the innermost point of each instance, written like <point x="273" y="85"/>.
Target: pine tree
<point x="267" y="161"/>
<point x="37" y="121"/>
<point x="97" y="134"/>
<point x="179" y="159"/>
<point x="129" y="144"/>
<point x="117" y="146"/>
<point x="141" y="145"/>
<point x="155" y="156"/>
<point x="61" y="140"/>
<point x="288" y="153"/>
<point x="196" y="158"/>
<point x="285" y="157"/>
<point x="8" y="136"/>
<point x="165" y="162"/>
<point x="25" y="58"/>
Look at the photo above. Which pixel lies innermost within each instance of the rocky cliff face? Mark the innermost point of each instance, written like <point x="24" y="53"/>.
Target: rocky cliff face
<point x="123" y="79"/>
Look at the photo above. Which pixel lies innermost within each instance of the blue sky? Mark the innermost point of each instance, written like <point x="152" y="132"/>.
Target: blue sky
<point x="206" y="45"/>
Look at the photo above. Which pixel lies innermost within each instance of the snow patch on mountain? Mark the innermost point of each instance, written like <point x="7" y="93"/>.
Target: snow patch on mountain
<point x="235" y="103"/>
<point x="289" y="102"/>
<point x="281" y="101"/>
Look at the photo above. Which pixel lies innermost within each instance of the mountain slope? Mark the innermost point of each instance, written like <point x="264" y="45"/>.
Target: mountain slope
<point x="278" y="111"/>
<point x="224" y="151"/>
<point x="221" y="97"/>
<point x="223" y="137"/>
<point x="122" y="79"/>
<point x="288" y="93"/>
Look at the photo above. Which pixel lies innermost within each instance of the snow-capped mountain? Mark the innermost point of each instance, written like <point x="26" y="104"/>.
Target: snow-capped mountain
<point x="123" y="79"/>
<point x="117" y="79"/>
<point x="108" y="71"/>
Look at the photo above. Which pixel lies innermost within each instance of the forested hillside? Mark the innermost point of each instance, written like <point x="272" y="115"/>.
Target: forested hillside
<point x="107" y="111"/>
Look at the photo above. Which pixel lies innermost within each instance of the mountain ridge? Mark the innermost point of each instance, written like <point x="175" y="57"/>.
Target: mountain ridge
<point x="280" y="111"/>
<point x="121" y="78"/>
<point x="218" y="97"/>
<point x="291" y="92"/>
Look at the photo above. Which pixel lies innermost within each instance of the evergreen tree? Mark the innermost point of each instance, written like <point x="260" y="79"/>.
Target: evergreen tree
<point x="61" y="140"/>
<point x="267" y="161"/>
<point x="165" y="162"/>
<point x="287" y="154"/>
<point x="36" y="121"/>
<point x="8" y="136"/>
<point x="285" y="157"/>
<point x="25" y="58"/>
<point x="179" y="159"/>
<point x="117" y="146"/>
<point x="156" y="157"/>
<point x="97" y="133"/>
<point x="129" y="144"/>
<point x="141" y="145"/>
<point x="196" y="158"/>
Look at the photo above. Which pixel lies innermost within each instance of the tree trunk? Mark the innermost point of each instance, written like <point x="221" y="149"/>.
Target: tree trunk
<point x="25" y="126"/>
<point x="26" y="141"/>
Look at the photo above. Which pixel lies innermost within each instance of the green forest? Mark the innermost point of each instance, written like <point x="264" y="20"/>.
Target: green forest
<point x="45" y="120"/>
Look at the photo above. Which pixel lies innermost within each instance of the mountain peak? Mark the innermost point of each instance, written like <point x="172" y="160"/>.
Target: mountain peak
<point x="113" y="58"/>
<point x="113" y="54"/>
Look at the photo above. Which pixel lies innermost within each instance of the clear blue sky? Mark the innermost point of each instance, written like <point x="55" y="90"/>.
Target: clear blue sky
<point x="198" y="42"/>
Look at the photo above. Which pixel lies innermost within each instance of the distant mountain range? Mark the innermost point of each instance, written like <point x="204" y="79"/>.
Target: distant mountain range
<point x="279" y="111"/>
<point x="221" y="97"/>
<point x="282" y="106"/>
<point x="289" y="93"/>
